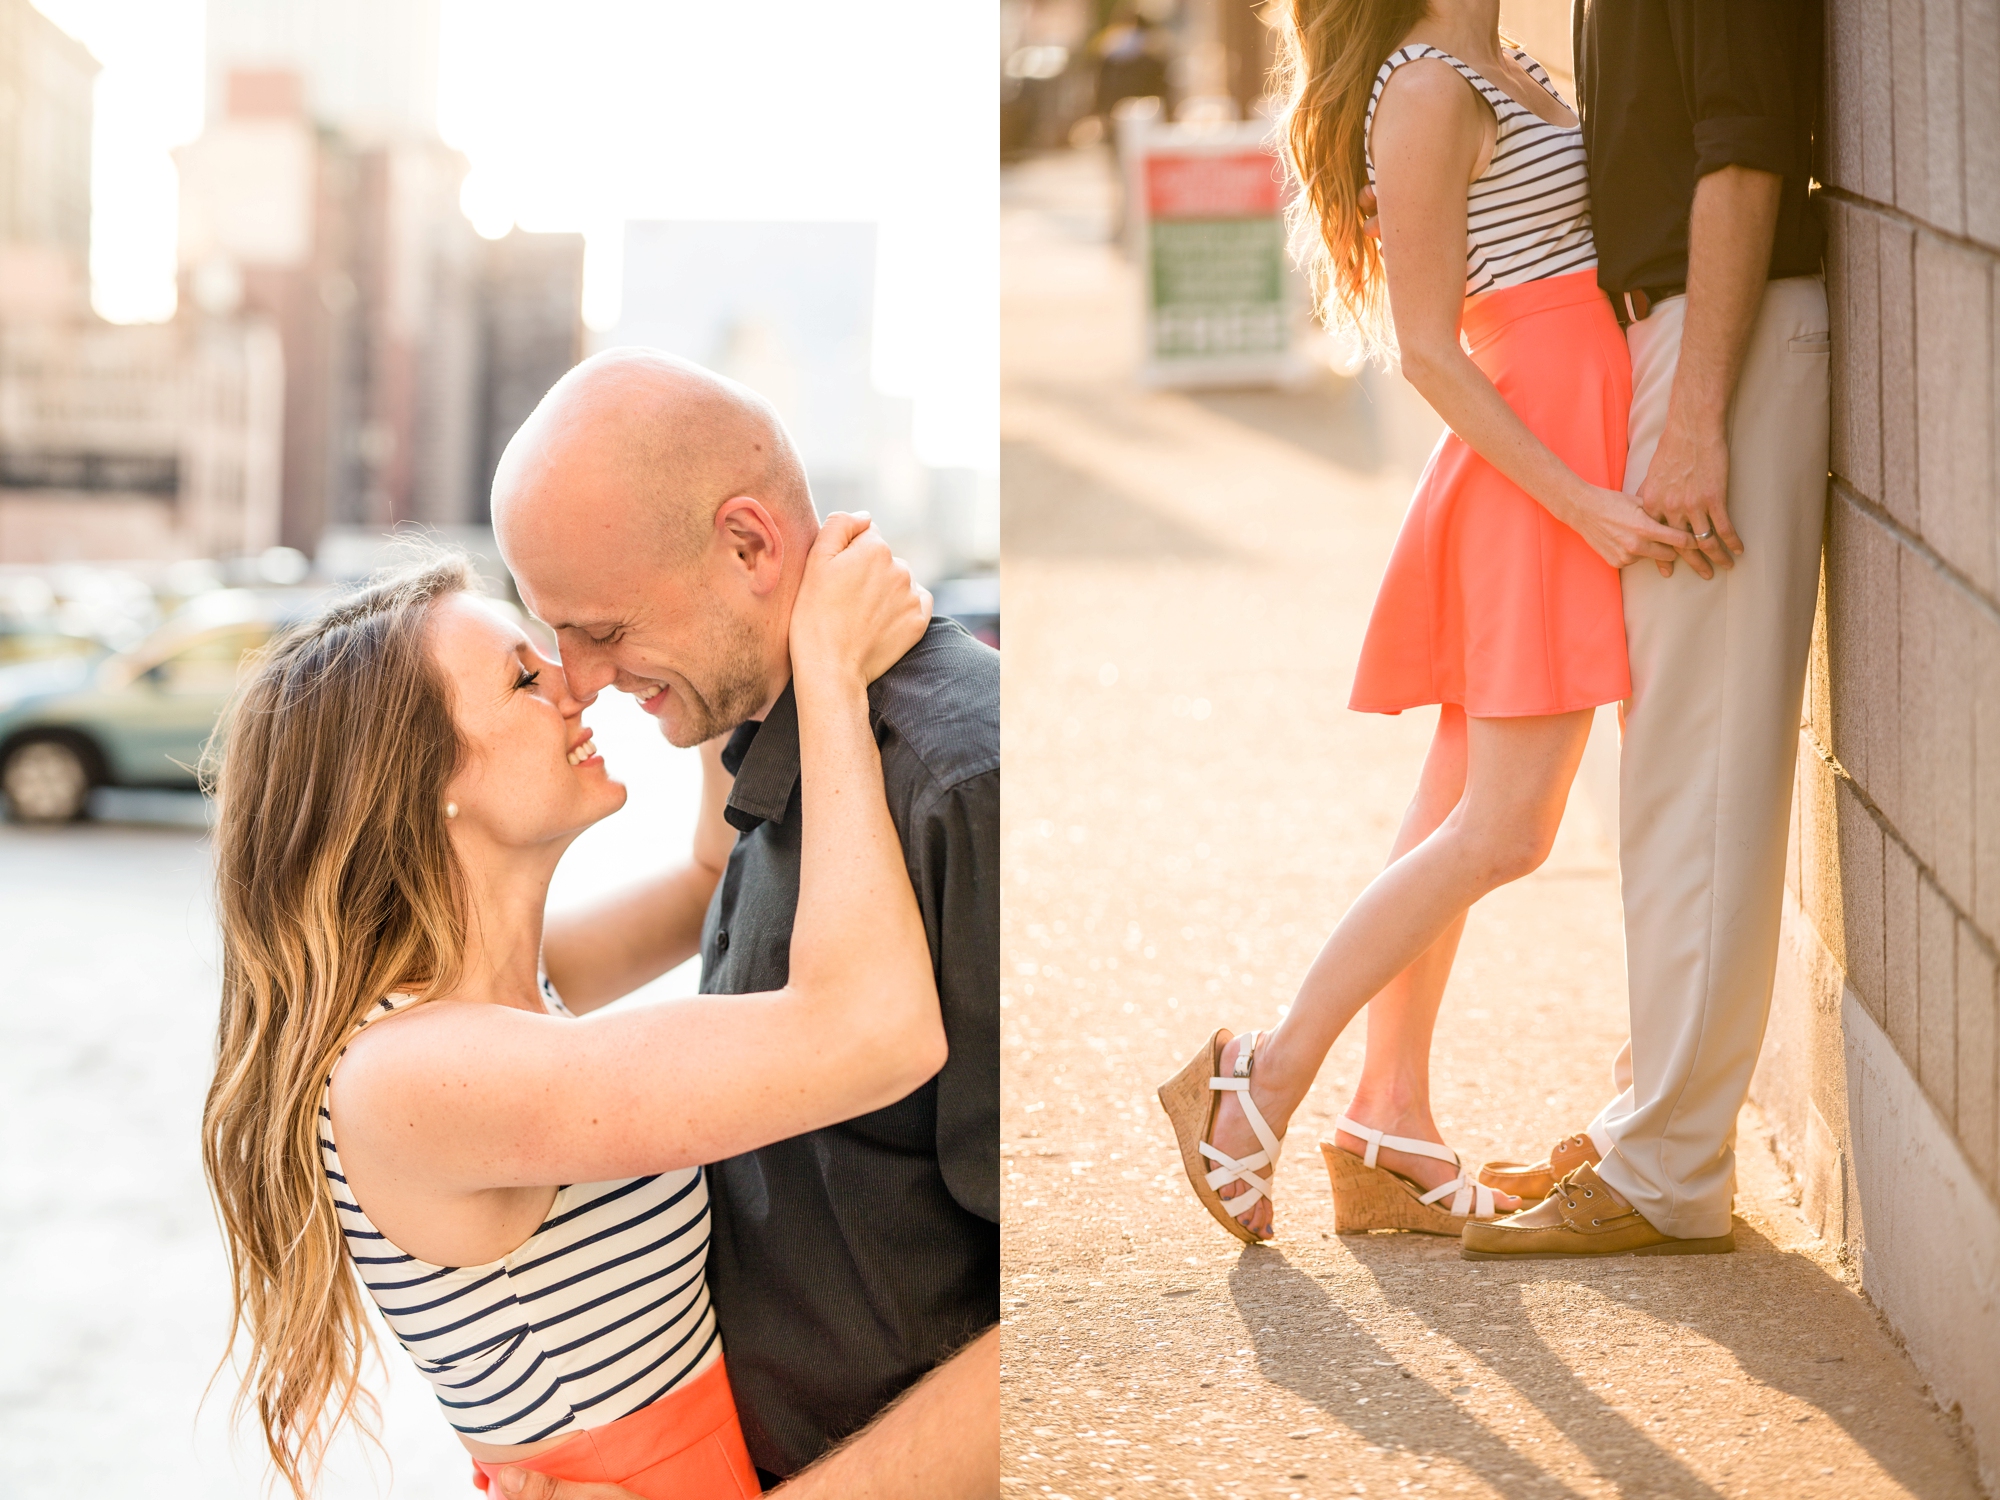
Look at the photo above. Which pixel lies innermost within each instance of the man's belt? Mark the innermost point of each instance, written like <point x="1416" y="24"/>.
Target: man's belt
<point x="1634" y="306"/>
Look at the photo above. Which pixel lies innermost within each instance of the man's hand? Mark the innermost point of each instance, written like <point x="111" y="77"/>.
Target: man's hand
<point x="1686" y="488"/>
<point x="939" y="1441"/>
<point x="521" y="1484"/>
<point x="1730" y="230"/>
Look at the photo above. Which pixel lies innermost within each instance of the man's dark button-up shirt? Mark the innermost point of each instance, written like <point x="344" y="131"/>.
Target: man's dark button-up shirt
<point x="846" y="1263"/>
<point x="1672" y="90"/>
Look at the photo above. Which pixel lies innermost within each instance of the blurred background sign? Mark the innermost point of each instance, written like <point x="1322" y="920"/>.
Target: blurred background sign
<point x="1224" y="305"/>
<point x="1177" y="97"/>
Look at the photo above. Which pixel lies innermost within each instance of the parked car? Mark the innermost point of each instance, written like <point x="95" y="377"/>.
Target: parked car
<point x="137" y="718"/>
<point x="34" y="640"/>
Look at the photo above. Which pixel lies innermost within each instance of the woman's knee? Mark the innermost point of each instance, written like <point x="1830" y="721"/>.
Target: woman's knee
<point x="1499" y="854"/>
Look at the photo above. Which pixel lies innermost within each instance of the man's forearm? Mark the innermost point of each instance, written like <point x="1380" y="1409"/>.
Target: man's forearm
<point x="1730" y="230"/>
<point x="941" y="1441"/>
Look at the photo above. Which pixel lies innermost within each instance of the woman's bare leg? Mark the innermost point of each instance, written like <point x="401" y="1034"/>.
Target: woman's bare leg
<point x="1393" y="1093"/>
<point x="1517" y="779"/>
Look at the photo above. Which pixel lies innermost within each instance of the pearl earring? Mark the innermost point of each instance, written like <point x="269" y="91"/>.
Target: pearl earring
<point x="451" y="809"/>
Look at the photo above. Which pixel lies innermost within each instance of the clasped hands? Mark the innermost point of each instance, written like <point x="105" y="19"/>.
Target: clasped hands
<point x="1683" y="492"/>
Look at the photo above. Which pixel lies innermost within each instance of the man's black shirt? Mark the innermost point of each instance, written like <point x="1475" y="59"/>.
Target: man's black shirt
<point x="846" y="1263"/>
<point x="1671" y="90"/>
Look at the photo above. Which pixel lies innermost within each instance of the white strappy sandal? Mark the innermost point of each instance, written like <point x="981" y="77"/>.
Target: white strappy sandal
<point x="1191" y="1098"/>
<point x="1367" y="1196"/>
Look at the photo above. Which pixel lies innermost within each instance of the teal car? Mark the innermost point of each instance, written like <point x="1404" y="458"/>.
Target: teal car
<point x="137" y="718"/>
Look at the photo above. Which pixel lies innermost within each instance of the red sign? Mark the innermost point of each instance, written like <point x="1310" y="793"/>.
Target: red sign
<point x="1212" y="185"/>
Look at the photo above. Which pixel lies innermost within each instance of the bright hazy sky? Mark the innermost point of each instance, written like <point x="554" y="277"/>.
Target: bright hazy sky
<point x="580" y="114"/>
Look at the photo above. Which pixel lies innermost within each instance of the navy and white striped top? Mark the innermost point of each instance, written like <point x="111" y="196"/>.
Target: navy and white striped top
<point x="601" y="1311"/>
<point x="1527" y="216"/>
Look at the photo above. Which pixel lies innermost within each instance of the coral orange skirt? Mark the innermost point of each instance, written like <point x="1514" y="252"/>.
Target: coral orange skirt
<point x="685" y="1446"/>
<point x="1489" y="602"/>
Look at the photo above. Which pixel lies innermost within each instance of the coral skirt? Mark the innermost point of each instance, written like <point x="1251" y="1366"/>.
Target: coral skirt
<point x="1489" y="602"/>
<point x="685" y="1446"/>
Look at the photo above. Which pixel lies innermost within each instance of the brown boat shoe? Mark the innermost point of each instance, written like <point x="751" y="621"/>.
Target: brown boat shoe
<point x="1581" y="1217"/>
<point x="1536" y="1182"/>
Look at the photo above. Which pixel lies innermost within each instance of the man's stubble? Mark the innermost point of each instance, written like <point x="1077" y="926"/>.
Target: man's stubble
<point x="733" y="688"/>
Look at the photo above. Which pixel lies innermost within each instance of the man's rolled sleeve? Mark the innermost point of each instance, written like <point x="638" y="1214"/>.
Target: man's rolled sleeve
<point x="1736" y="80"/>
<point x="1761" y="142"/>
<point x="957" y="874"/>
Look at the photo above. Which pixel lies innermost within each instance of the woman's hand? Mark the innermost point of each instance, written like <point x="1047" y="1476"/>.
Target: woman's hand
<point x="1619" y="531"/>
<point x="858" y="610"/>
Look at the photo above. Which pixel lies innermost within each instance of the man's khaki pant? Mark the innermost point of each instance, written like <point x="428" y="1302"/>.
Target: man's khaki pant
<point x="1705" y="776"/>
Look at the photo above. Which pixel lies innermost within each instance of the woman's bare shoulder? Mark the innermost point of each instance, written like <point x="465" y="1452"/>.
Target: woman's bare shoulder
<point x="1428" y="92"/>
<point x="1429" y="122"/>
<point x="415" y="1061"/>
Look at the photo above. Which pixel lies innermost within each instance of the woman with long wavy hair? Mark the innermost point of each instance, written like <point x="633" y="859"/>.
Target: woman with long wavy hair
<point x="400" y="1093"/>
<point x="1501" y="602"/>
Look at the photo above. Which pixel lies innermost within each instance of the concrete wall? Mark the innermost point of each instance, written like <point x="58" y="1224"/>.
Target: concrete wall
<point x="1882" y="1067"/>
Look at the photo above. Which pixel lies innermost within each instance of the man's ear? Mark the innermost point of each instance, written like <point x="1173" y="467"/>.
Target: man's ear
<point x="751" y="535"/>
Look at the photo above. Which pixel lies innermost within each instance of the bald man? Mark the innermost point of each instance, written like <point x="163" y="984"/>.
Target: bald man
<point x="658" y="518"/>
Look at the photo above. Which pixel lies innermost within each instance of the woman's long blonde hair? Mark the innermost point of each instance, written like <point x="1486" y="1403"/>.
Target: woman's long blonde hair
<point x="1328" y="54"/>
<point x="336" y="885"/>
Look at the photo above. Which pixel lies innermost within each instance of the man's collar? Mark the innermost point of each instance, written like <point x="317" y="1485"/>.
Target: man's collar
<point x="764" y="758"/>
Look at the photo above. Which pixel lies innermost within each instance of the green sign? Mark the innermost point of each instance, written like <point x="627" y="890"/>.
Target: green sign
<point x="1218" y="287"/>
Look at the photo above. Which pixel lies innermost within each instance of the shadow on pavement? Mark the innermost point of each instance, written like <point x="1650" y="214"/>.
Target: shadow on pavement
<point x="1055" y="510"/>
<point x="1269" y="1292"/>
<point x="1296" y="1325"/>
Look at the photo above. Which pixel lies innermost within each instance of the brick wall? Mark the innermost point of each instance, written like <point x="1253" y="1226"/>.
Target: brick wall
<point x="1896" y="859"/>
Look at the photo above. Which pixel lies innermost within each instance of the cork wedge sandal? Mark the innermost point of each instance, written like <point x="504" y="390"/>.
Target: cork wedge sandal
<point x="1191" y="1098"/>
<point x="1368" y="1197"/>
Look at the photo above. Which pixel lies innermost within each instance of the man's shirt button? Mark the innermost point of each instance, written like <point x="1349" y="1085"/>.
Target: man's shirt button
<point x="722" y="940"/>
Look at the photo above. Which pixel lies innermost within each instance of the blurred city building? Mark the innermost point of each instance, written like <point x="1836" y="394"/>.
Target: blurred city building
<point x="531" y="331"/>
<point x="789" y="310"/>
<point x="45" y="114"/>
<point x="114" y="441"/>
<point x="348" y="355"/>
<point x="137" y="442"/>
<point x="368" y="68"/>
<point x="320" y="195"/>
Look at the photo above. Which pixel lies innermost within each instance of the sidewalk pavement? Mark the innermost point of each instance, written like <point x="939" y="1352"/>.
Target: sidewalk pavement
<point x="1190" y="807"/>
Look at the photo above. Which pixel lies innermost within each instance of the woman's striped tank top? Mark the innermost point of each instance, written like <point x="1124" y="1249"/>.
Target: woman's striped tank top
<point x="601" y="1311"/>
<point x="1527" y="216"/>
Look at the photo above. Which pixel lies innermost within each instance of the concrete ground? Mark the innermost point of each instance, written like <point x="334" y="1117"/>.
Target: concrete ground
<point x="113" y="1287"/>
<point x="1189" y="808"/>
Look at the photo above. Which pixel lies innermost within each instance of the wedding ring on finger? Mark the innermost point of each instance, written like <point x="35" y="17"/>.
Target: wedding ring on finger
<point x="1702" y="536"/>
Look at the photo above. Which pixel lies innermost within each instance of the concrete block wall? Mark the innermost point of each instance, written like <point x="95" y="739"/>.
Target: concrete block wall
<point x="1886" y="1019"/>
